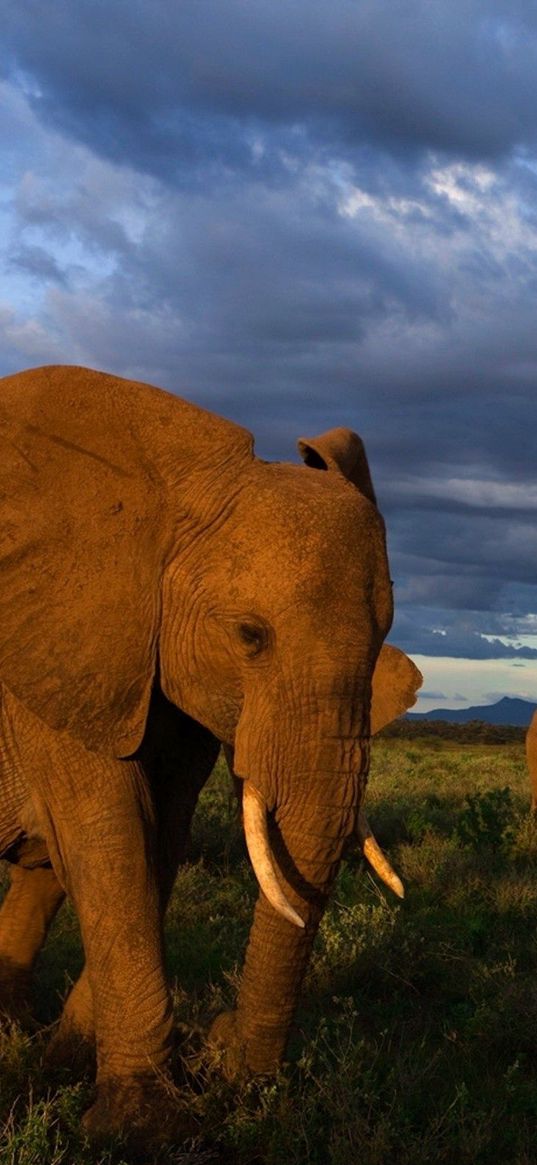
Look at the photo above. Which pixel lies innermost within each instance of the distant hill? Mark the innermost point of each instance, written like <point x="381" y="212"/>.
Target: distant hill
<point x="508" y="710"/>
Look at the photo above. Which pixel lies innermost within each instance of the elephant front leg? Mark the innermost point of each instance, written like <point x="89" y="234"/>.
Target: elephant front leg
<point x="101" y="837"/>
<point x="177" y="756"/>
<point x="31" y="902"/>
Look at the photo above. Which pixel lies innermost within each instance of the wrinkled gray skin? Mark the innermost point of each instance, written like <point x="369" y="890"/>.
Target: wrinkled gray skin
<point x="148" y="556"/>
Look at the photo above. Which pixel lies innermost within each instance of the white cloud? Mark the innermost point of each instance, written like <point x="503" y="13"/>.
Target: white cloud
<point x="468" y="221"/>
<point x="476" y="679"/>
<point x="478" y="493"/>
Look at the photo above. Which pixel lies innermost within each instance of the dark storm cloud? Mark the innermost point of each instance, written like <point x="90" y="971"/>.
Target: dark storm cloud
<point x="463" y="645"/>
<point x="474" y="544"/>
<point x="458" y="579"/>
<point x="179" y="86"/>
<point x="261" y="304"/>
<point x="271" y="289"/>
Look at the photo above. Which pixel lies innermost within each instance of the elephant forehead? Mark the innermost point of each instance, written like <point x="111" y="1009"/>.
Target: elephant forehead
<point x="305" y="522"/>
<point x="306" y="542"/>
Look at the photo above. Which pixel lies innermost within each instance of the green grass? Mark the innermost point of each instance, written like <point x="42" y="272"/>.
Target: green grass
<point x="416" y="1039"/>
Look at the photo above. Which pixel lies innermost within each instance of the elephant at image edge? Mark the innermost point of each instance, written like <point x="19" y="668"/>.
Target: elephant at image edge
<point x="142" y="540"/>
<point x="178" y="755"/>
<point x="531" y="755"/>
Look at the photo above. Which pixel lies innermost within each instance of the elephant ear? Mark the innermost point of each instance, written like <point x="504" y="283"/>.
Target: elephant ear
<point x="81" y="548"/>
<point x="396" y="680"/>
<point x="342" y="451"/>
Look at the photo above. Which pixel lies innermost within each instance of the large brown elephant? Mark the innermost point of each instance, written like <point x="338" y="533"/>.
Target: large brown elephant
<point x="531" y="755"/>
<point x="150" y="560"/>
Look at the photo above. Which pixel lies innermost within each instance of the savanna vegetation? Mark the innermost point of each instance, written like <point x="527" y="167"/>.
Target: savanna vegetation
<point x="416" y="1041"/>
<point x="473" y="732"/>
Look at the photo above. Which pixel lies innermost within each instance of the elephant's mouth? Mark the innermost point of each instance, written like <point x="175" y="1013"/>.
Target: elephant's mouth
<point x="257" y="841"/>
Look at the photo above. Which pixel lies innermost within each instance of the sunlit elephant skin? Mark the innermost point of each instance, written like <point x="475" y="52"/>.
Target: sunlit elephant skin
<point x="142" y="539"/>
<point x="531" y="755"/>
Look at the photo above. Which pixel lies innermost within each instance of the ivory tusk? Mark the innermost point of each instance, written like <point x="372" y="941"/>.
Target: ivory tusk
<point x="257" y="841"/>
<point x="375" y="856"/>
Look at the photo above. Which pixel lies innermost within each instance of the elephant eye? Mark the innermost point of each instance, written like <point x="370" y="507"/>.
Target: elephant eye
<point x="253" y="635"/>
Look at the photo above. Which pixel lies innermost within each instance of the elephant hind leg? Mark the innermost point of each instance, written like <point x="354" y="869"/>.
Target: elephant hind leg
<point x="32" y="900"/>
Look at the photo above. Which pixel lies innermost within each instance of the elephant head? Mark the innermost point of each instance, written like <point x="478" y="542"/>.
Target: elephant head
<point x="145" y="542"/>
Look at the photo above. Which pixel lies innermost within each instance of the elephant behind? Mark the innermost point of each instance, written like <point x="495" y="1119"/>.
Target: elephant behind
<point x="531" y="756"/>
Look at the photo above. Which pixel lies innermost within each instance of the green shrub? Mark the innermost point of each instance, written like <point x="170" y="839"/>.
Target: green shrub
<point x="487" y="820"/>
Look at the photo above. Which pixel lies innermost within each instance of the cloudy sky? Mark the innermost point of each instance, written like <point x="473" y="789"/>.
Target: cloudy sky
<point x="302" y="214"/>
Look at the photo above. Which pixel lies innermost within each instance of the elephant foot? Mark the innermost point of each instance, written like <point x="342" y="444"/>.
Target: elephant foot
<point x="242" y="1055"/>
<point x="145" y="1115"/>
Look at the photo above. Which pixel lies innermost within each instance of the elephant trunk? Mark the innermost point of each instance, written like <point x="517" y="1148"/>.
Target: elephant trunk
<point x="302" y="794"/>
<point x="306" y="843"/>
<point x="295" y="842"/>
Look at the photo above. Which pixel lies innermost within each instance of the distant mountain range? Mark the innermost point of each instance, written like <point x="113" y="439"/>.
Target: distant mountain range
<point x="508" y="710"/>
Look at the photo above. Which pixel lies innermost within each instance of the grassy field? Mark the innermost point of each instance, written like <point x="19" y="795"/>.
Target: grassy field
<point x="416" y="1040"/>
